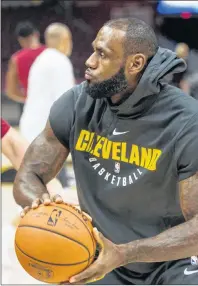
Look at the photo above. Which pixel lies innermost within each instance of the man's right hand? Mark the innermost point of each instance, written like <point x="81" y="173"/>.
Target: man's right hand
<point x="46" y="200"/>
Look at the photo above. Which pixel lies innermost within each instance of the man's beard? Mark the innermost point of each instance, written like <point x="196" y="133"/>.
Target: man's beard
<point x="108" y="88"/>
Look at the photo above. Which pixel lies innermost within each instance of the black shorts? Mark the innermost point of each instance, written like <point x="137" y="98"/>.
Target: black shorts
<point x="179" y="272"/>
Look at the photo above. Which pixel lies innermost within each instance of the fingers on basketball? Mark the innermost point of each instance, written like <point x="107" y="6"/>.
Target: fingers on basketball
<point x="24" y="211"/>
<point x="35" y="204"/>
<point x="46" y="199"/>
<point x="57" y="199"/>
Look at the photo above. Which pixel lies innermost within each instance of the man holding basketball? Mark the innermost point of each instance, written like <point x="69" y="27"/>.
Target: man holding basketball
<point x="133" y="139"/>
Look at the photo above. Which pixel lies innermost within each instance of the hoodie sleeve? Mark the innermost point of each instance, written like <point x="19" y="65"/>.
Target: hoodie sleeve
<point x="186" y="150"/>
<point x="62" y="116"/>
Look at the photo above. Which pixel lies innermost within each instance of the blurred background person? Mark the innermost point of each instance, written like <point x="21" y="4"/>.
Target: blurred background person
<point x="21" y="61"/>
<point x="191" y="85"/>
<point x="50" y="76"/>
<point x="182" y="51"/>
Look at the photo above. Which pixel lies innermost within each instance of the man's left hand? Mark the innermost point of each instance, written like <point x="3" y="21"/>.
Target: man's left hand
<point x="109" y="258"/>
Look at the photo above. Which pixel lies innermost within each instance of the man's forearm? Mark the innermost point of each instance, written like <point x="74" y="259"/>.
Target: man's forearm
<point x="44" y="158"/>
<point x="175" y="243"/>
<point x="27" y="187"/>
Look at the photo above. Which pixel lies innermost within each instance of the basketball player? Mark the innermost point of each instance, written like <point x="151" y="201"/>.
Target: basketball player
<point x="133" y="140"/>
<point x="21" y="61"/>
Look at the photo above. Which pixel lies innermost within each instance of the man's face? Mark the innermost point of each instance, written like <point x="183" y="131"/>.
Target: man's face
<point x="22" y="42"/>
<point x="105" y="72"/>
<point x="26" y="42"/>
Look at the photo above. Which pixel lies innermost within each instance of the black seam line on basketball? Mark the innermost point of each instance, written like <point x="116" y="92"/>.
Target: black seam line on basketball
<point x="58" y="234"/>
<point x="37" y="227"/>
<point x="81" y="221"/>
<point x="51" y="263"/>
<point x="57" y="264"/>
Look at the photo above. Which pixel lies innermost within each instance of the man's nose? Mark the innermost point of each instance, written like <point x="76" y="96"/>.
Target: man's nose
<point x="92" y="62"/>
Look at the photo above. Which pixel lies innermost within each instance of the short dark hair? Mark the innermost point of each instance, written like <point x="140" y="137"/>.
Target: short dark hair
<point x="140" y="37"/>
<point x="25" y="29"/>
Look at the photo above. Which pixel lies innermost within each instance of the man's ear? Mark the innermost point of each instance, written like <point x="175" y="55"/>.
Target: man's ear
<point x="136" y="63"/>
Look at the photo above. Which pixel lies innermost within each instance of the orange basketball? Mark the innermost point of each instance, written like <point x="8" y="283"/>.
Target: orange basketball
<point x="54" y="242"/>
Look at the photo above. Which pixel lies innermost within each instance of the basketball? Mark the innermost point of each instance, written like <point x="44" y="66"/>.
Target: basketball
<point x="53" y="243"/>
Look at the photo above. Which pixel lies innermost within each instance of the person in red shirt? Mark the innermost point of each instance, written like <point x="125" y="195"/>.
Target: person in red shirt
<point x="21" y="61"/>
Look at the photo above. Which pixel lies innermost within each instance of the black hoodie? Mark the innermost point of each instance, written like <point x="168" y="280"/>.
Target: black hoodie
<point x="129" y="158"/>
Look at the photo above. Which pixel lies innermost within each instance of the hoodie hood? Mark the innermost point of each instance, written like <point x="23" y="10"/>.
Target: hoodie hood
<point x="164" y="63"/>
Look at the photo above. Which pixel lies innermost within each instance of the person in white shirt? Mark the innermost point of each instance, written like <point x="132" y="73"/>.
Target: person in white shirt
<point x="50" y="76"/>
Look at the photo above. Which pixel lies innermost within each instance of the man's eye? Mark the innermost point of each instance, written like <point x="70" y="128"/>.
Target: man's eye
<point x="102" y="54"/>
